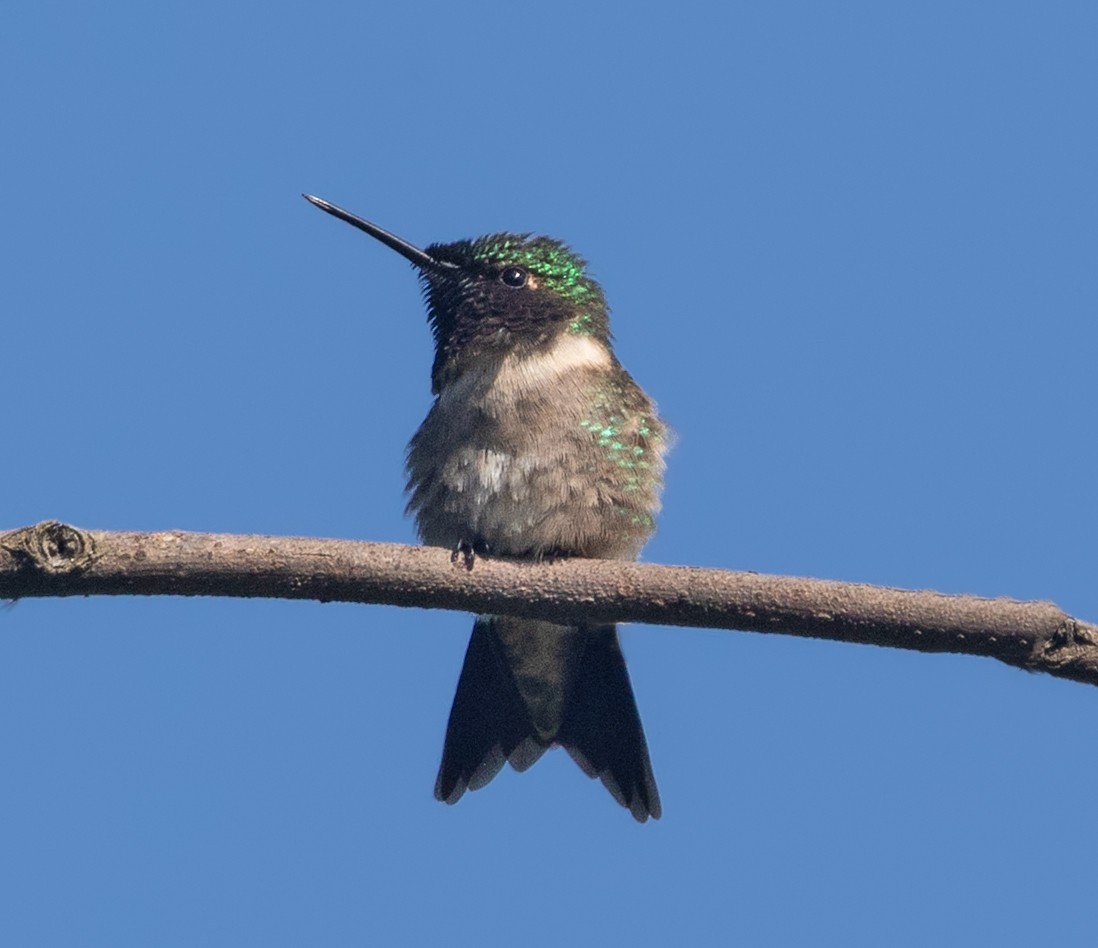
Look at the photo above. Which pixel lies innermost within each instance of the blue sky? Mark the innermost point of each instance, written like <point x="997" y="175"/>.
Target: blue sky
<point x="850" y="250"/>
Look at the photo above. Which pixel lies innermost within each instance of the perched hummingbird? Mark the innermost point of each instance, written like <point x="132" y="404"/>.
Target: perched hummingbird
<point x="538" y="445"/>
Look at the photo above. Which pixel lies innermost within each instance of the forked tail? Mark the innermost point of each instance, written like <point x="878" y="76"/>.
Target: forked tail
<point x="528" y="684"/>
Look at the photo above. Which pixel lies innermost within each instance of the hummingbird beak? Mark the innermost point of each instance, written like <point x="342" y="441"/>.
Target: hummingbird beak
<point x="419" y="258"/>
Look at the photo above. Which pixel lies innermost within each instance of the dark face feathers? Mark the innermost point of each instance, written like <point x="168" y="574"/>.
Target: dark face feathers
<point x="508" y="291"/>
<point x="500" y="292"/>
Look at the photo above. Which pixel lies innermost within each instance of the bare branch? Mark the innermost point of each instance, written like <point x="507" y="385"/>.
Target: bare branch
<point x="54" y="559"/>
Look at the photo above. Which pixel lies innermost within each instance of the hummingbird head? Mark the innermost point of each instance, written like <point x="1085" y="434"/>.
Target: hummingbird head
<point x="498" y="293"/>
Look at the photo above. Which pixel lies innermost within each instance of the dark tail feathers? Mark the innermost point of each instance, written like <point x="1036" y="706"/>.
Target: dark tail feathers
<point x="527" y="685"/>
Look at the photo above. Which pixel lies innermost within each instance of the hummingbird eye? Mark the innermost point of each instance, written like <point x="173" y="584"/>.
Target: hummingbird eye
<point x="514" y="276"/>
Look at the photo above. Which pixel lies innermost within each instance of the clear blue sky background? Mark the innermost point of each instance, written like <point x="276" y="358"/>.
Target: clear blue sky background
<point x="851" y="251"/>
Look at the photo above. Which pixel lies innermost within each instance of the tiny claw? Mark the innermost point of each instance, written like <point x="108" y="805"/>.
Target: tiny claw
<point x="468" y="550"/>
<point x="465" y="550"/>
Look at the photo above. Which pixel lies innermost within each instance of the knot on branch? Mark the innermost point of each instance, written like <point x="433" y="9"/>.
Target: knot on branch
<point x="51" y="547"/>
<point x="1070" y="652"/>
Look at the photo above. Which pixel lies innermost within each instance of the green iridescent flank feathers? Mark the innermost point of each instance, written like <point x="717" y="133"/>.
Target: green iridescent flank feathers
<point x="627" y="443"/>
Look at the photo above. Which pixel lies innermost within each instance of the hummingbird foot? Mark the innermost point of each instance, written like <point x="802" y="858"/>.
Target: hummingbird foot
<point x="469" y="550"/>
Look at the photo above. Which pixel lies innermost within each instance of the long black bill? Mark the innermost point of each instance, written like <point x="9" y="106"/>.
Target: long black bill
<point x="409" y="251"/>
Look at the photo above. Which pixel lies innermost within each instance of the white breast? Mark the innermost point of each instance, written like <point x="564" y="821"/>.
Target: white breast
<point x="496" y="381"/>
<point x="503" y="446"/>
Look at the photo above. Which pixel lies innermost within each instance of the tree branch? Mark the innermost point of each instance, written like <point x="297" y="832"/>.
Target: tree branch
<point x="54" y="559"/>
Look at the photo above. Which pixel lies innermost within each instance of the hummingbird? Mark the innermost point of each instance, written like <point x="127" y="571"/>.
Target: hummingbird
<point x="538" y="445"/>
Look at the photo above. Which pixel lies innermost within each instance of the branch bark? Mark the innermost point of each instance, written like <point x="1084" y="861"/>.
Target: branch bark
<point x="55" y="559"/>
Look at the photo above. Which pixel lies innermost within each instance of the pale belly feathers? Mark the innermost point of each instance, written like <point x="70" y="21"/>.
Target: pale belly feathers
<point x="554" y="452"/>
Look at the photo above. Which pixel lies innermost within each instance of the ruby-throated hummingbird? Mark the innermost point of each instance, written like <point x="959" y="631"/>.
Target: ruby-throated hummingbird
<point x="538" y="445"/>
